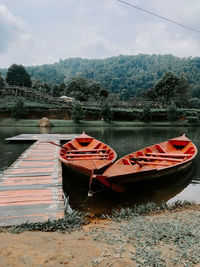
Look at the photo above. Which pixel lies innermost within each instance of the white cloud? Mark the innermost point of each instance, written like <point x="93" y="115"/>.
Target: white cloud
<point x="11" y="28"/>
<point x="36" y="32"/>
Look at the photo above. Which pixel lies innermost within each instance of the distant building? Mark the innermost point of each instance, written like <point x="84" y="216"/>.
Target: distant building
<point x="67" y="98"/>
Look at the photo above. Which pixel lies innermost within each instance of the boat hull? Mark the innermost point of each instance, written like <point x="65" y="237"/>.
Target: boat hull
<point x="87" y="155"/>
<point x="86" y="169"/>
<point x="153" y="162"/>
<point x="147" y="175"/>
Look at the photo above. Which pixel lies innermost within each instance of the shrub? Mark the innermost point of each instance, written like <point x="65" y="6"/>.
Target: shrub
<point x="193" y="118"/>
<point x="172" y="113"/>
<point x="18" y="109"/>
<point x="77" y="112"/>
<point x="146" y="114"/>
<point x="106" y="112"/>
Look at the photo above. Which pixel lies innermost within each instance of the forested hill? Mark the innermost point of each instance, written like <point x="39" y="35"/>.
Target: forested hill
<point x="133" y="73"/>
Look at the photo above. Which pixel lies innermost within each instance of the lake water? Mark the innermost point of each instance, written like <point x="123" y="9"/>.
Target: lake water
<point x="124" y="140"/>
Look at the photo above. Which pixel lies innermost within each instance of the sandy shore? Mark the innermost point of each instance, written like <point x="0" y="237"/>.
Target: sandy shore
<point x="168" y="238"/>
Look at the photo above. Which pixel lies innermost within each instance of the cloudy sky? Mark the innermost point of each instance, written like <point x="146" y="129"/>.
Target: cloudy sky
<point x="34" y="32"/>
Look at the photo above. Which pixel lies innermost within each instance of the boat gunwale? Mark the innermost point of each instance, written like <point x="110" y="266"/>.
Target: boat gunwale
<point x="68" y="162"/>
<point x="160" y="169"/>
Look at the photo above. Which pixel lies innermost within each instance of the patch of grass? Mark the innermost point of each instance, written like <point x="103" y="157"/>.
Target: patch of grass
<point x="70" y="223"/>
<point x="146" y="209"/>
<point x="151" y="239"/>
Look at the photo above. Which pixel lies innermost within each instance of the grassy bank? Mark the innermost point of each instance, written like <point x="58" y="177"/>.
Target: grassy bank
<point x="69" y="123"/>
<point x="146" y="235"/>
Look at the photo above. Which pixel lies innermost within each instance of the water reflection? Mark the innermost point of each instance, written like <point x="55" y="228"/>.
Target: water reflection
<point x="44" y="130"/>
<point x="76" y="188"/>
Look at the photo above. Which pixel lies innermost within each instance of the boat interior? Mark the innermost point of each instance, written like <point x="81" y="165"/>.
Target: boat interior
<point x="86" y="148"/>
<point x="165" y="154"/>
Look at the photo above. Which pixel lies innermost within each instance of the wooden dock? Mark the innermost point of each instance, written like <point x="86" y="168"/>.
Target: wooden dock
<point x="45" y="137"/>
<point x="31" y="188"/>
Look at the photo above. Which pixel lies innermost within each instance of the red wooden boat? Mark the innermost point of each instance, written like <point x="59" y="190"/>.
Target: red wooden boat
<point x="87" y="155"/>
<point x="151" y="162"/>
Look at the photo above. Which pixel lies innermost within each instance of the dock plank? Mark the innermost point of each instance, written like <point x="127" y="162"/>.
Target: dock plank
<point x="46" y="137"/>
<point x="31" y="188"/>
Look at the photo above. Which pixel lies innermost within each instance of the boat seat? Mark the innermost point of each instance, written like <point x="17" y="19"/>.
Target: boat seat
<point x="74" y="145"/>
<point x="126" y="162"/>
<point x="160" y="158"/>
<point x="94" y="144"/>
<point x="190" y="150"/>
<point x="160" y="149"/>
<point x="148" y="150"/>
<point x="173" y="155"/>
<point x="140" y="153"/>
<point x="152" y="163"/>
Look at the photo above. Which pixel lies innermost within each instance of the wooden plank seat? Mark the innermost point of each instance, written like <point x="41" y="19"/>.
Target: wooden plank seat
<point x="169" y="155"/>
<point x="160" y="149"/>
<point x="84" y="151"/>
<point x="86" y="155"/>
<point x="150" y="163"/>
<point x="87" y="158"/>
<point x="190" y="150"/>
<point x="159" y="158"/>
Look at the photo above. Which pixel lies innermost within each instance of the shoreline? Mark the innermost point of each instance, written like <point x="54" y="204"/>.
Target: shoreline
<point x="161" y="238"/>
<point x="100" y="123"/>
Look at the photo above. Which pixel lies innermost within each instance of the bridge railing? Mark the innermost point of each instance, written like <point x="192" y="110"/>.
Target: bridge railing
<point x="31" y="94"/>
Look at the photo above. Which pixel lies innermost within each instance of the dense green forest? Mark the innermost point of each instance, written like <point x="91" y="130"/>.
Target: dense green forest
<point x="131" y="75"/>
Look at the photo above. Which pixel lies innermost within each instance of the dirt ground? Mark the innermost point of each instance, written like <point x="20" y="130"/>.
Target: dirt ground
<point x="58" y="249"/>
<point x="84" y="248"/>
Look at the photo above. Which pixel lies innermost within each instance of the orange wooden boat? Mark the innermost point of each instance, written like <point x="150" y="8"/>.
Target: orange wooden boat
<point x="151" y="162"/>
<point x="87" y="155"/>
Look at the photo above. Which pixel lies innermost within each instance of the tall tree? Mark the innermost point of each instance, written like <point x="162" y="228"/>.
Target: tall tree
<point x="95" y="88"/>
<point x="77" y="87"/>
<point x="184" y="90"/>
<point x="103" y="93"/>
<point x="56" y="90"/>
<point x="62" y="89"/>
<point x="77" y="112"/>
<point x="17" y="75"/>
<point x="170" y="89"/>
<point x="106" y="112"/>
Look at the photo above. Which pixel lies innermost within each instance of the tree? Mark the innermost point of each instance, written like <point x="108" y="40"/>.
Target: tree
<point x="106" y="112"/>
<point x="183" y="93"/>
<point x="170" y="89"/>
<point x="77" y="87"/>
<point x="146" y="114"/>
<point x="172" y="113"/>
<point x="124" y="95"/>
<point x="37" y="85"/>
<point x="18" y="110"/>
<point x="77" y="112"/>
<point x="62" y="89"/>
<point x="56" y="90"/>
<point x="95" y="88"/>
<point x="150" y="94"/>
<point x="17" y="75"/>
<point x="103" y="93"/>
<point x="45" y="88"/>
<point x="82" y="89"/>
<point x="166" y="87"/>
<point x="2" y="83"/>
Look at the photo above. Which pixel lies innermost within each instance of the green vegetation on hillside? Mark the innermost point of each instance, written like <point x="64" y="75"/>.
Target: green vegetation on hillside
<point x="133" y="73"/>
<point x="150" y="81"/>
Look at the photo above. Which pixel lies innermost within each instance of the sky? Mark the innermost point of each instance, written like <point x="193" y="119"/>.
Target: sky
<point x="36" y="32"/>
